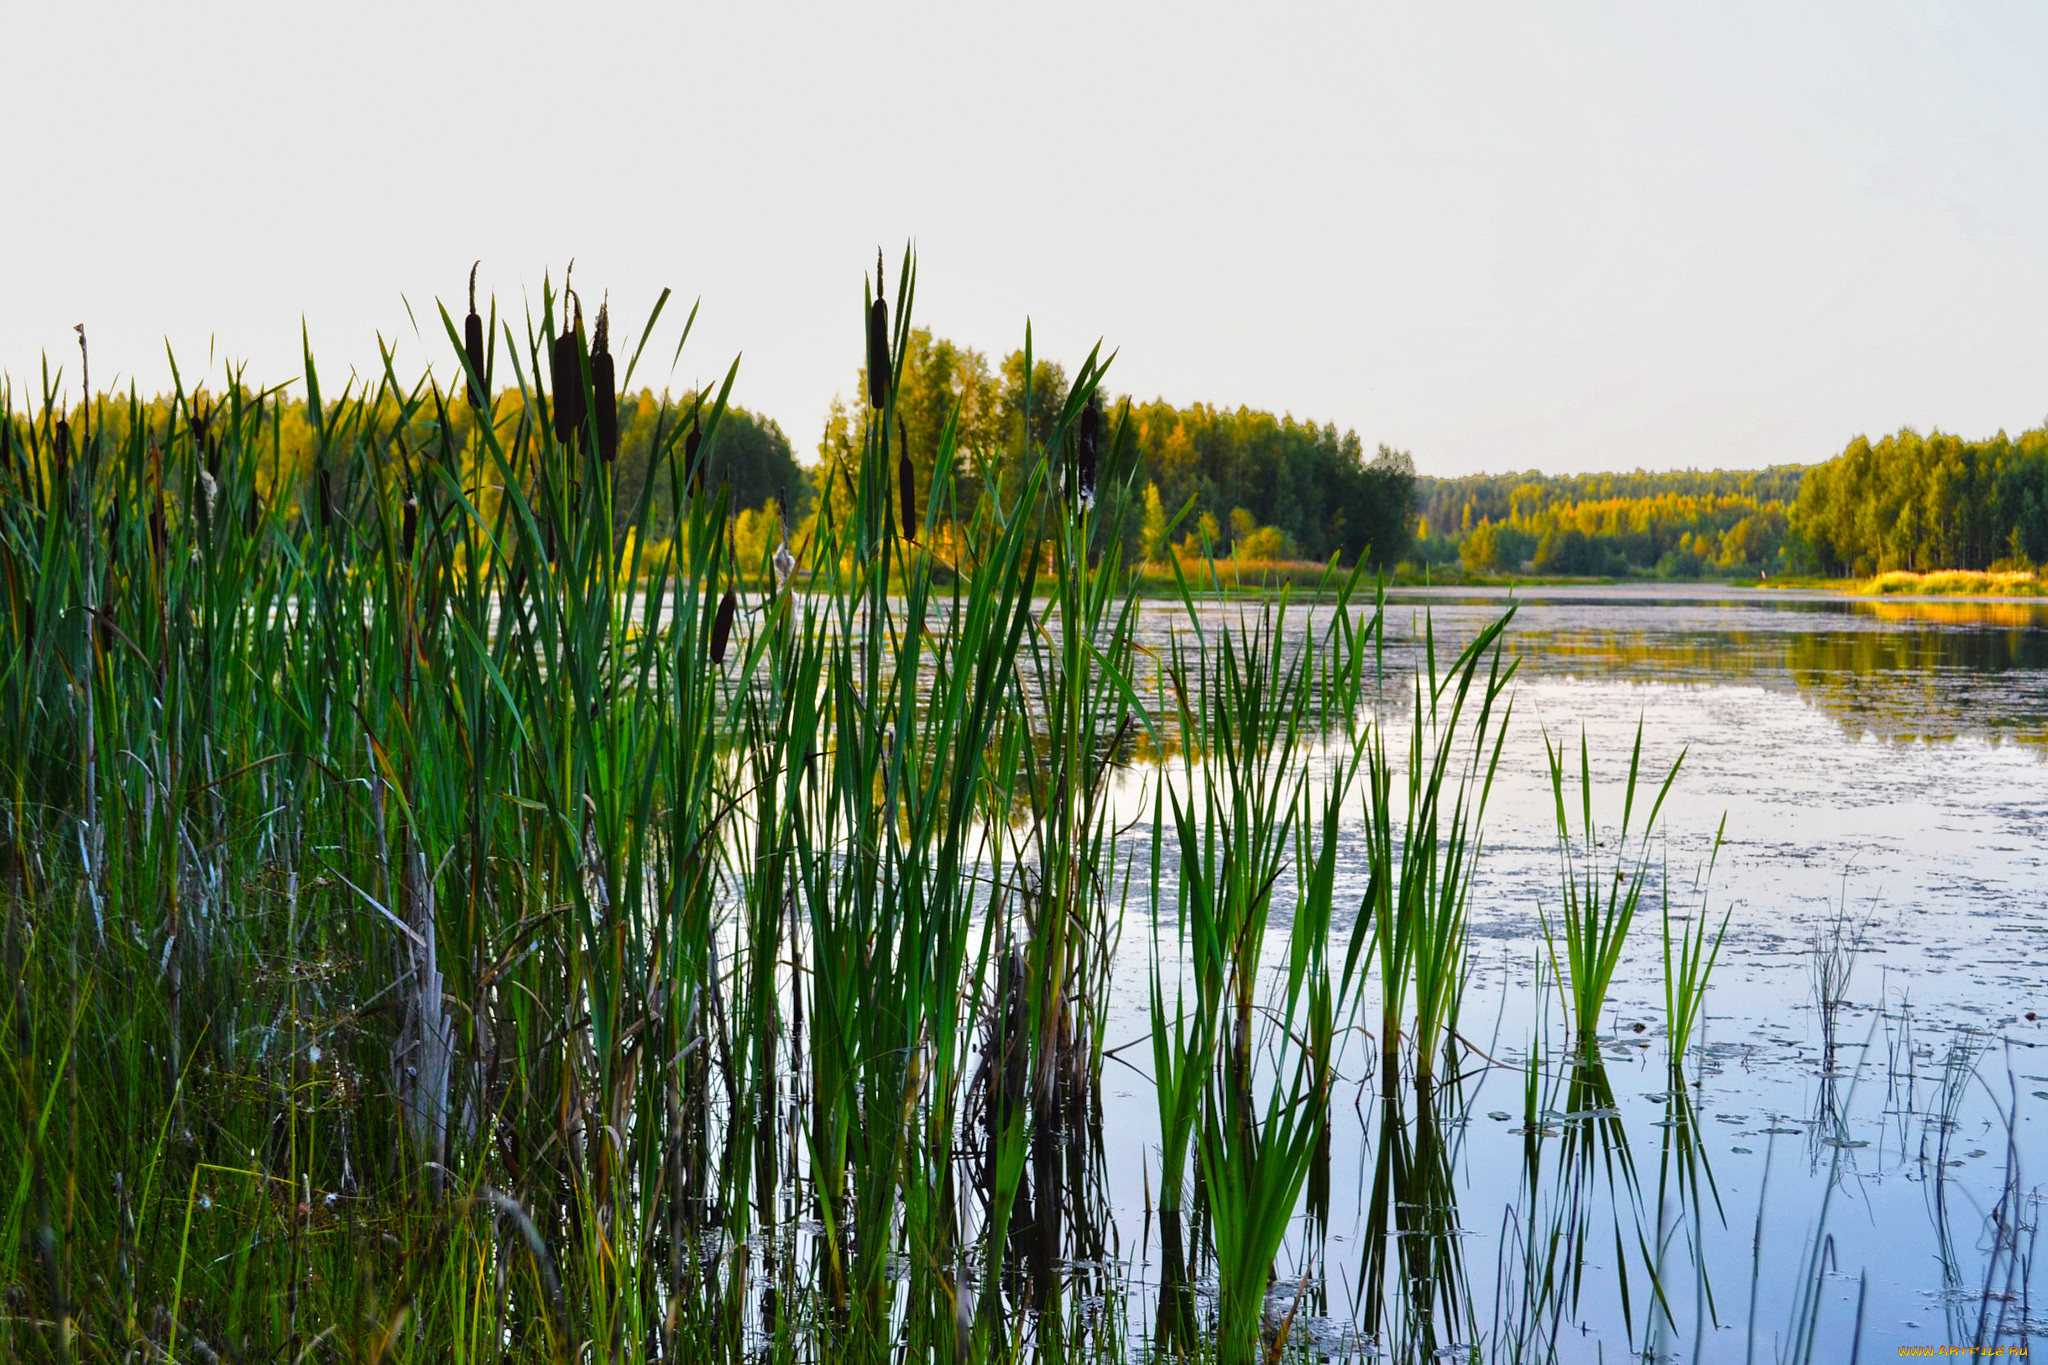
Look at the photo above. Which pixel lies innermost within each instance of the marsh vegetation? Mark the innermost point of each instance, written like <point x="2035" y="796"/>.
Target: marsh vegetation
<point x="447" y="922"/>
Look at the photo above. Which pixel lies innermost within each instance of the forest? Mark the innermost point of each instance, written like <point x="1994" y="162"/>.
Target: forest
<point x="1923" y="503"/>
<point x="1679" y="524"/>
<point x="1239" y="482"/>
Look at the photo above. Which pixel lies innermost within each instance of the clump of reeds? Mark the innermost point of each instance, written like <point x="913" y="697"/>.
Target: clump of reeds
<point x="1688" y="964"/>
<point x="1599" y="897"/>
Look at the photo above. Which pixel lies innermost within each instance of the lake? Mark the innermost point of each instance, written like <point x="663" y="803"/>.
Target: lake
<point x="1882" y="770"/>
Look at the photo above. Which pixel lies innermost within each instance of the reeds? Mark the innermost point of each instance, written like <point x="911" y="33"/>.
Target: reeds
<point x="1424" y="849"/>
<point x="1598" y="902"/>
<point x="1688" y="963"/>
<point x="508" y="937"/>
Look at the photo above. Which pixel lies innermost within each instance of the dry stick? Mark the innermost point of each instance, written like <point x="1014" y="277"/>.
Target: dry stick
<point x="95" y="837"/>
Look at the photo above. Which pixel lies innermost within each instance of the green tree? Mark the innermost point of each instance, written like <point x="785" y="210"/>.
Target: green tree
<point x="1152" y="531"/>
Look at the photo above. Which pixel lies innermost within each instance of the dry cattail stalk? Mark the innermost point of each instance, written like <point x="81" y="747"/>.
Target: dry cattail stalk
<point x="570" y="408"/>
<point x="201" y="445"/>
<point x="604" y="388"/>
<point x="1090" y="436"/>
<point x="721" y="626"/>
<point x="473" y="344"/>
<point x="906" y="483"/>
<point x="159" y="524"/>
<point x="878" y="343"/>
<point x="785" y="562"/>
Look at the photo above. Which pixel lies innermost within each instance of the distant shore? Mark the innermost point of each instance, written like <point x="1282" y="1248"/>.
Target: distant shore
<point x="1257" y="578"/>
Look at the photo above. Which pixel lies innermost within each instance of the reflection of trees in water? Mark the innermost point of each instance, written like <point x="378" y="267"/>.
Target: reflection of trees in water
<point x="1899" y="671"/>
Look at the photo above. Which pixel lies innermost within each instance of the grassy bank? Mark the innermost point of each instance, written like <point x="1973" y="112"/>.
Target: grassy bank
<point x="1938" y="583"/>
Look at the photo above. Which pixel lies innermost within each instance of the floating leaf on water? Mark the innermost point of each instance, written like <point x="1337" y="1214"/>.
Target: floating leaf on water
<point x="1844" y="1143"/>
<point x="1740" y="1151"/>
<point x="1502" y="1115"/>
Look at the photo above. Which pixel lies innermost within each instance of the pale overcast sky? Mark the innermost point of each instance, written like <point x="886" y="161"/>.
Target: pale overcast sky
<point x="1500" y="236"/>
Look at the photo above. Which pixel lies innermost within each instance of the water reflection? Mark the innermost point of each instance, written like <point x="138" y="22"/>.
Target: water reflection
<point x="1413" y="1285"/>
<point x="1900" y="671"/>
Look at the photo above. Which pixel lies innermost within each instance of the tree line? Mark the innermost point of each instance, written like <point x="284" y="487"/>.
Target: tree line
<point x="1208" y="479"/>
<point x="1677" y="524"/>
<point x="1922" y="503"/>
<point x="1205" y="478"/>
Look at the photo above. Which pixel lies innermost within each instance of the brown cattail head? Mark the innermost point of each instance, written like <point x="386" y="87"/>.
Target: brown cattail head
<point x="1085" y="451"/>
<point x="878" y="343"/>
<point x="326" y="487"/>
<point x="63" y="449"/>
<point x="570" y="408"/>
<point x="906" y="483"/>
<point x="604" y="390"/>
<point x="690" y="465"/>
<point x="252" y="514"/>
<point x="408" y="526"/>
<point x="878" y="354"/>
<point x="473" y="344"/>
<point x="721" y="626"/>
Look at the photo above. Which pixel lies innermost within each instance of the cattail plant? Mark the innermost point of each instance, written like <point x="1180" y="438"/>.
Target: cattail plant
<point x="473" y="344"/>
<point x="1085" y="453"/>
<point x="604" y="387"/>
<point x="878" y="343"/>
<point x="567" y="370"/>
<point x="721" y="626"/>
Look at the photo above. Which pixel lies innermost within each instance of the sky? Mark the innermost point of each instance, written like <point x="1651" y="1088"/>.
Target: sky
<point x="1499" y="236"/>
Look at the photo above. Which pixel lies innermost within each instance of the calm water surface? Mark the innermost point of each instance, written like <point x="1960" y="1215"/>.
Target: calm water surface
<point x="1879" y="763"/>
